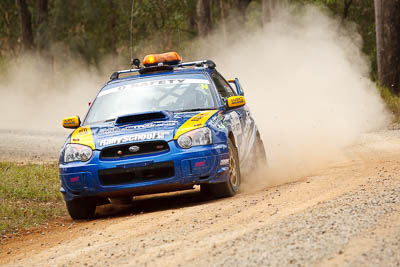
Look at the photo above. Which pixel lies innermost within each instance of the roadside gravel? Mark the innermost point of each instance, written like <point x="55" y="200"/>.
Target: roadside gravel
<point x="30" y="145"/>
<point x="321" y="232"/>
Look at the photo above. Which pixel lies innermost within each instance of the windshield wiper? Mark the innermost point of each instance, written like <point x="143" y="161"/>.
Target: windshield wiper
<point x="109" y="120"/>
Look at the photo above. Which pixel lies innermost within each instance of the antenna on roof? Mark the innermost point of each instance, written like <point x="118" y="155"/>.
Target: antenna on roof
<point x="131" y="32"/>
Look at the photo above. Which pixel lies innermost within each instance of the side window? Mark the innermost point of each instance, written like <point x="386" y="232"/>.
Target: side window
<point x="224" y="89"/>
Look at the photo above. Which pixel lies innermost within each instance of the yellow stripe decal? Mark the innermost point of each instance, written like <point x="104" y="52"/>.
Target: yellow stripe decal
<point x="83" y="136"/>
<point x="195" y="122"/>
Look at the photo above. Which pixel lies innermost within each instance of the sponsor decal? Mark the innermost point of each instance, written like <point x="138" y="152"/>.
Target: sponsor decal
<point x="83" y="131"/>
<point x="74" y="179"/>
<point x="204" y="86"/>
<point x="195" y="122"/>
<point x="249" y="125"/>
<point x="138" y="127"/>
<point x="153" y="83"/>
<point x="133" y="137"/>
<point x="235" y="123"/>
<point x="69" y="121"/>
<point x="217" y="121"/>
<point x="198" y="117"/>
<point x="237" y="101"/>
<point x="83" y="136"/>
<point x="200" y="164"/>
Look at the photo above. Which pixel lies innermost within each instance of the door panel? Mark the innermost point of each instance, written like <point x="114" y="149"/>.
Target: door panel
<point x="240" y="120"/>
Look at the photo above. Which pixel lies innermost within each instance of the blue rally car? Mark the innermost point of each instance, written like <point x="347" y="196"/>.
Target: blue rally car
<point x="165" y="126"/>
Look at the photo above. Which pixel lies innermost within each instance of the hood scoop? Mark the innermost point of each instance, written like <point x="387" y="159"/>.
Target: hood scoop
<point x="141" y="117"/>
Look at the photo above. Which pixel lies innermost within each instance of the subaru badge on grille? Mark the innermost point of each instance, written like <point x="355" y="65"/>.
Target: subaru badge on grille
<point x="134" y="149"/>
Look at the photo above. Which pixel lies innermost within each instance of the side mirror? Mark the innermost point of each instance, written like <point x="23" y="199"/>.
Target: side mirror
<point x="71" y="122"/>
<point x="238" y="86"/>
<point x="236" y="101"/>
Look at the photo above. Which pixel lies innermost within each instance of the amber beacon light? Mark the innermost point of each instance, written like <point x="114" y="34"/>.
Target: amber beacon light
<point x="170" y="58"/>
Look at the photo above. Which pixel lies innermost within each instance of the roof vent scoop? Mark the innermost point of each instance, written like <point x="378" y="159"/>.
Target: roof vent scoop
<point x="141" y="117"/>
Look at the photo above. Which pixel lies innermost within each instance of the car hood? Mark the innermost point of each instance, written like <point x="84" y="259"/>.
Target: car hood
<point x="98" y="136"/>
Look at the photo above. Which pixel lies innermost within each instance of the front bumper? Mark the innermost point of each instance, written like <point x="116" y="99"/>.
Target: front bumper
<point x="197" y="165"/>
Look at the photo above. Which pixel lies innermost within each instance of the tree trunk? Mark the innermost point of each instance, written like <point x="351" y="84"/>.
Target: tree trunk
<point x="347" y="5"/>
<point x="243" y="4"/>
<point x="43" y="11"/>
<point x="192" y="26"/>
<point x="203" y="10"/>
<point x="43" y="25"/>
<point x="25" y="20"/>
<point x="387" y="13"/>
<point x="268" y="8"/>
<point x="113" y="31"/>
<point x="223" y="14"/>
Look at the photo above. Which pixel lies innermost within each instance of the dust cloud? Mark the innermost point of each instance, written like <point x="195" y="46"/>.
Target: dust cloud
<point x="307" y="84"/>
<point x="36" y="94"/>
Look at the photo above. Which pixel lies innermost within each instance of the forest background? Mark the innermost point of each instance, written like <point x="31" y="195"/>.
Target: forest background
<point x="112" y="32"/>
<point x="94" y="29"/>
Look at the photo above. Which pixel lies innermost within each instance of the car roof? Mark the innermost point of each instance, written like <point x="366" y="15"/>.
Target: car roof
<point x="175" y="71"/>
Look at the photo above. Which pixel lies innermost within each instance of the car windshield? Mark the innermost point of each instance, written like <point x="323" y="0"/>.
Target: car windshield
<point x="172" y="93"/>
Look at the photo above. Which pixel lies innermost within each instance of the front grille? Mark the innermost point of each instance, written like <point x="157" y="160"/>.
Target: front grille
<point x="121" y="151"/>
<point x="151" y="172"/>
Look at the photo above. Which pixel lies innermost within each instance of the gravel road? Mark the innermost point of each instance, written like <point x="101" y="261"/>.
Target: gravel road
<point x="30" y="145"/>
<point x="347" y="214"/>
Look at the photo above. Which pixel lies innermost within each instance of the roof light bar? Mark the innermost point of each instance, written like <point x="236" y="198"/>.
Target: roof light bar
<point x="170" y="58"/>
<point x="203" y="63"/>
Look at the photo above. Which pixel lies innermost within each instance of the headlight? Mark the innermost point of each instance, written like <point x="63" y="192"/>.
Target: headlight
<point x="76" y="152"/>
<point x="198" y="137"/>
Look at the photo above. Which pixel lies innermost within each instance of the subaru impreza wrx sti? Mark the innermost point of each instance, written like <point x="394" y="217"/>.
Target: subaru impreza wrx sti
<point x="166" y="126"/>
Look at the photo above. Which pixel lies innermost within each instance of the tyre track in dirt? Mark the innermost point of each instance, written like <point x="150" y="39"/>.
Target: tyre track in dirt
<point x="321" y="220"/>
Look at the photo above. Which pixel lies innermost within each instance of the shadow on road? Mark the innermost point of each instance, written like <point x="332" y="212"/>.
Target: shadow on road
<point x="153" y="203"/>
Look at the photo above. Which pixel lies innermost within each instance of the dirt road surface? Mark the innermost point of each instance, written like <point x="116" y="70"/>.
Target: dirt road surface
<point x="348" y="214"/>
<point x="30" y="145"/>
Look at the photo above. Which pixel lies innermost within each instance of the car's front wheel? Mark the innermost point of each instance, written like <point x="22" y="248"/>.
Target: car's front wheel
<point x="231" y="186"/>
<point x="81" y="208"/>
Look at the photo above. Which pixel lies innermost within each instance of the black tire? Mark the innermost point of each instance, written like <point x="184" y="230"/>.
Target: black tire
<point x="230" y="187"/>
<point x="81" y="208"/>
<point x="260" y="157"/>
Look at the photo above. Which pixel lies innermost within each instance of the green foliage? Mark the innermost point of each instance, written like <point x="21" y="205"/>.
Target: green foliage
<point x="392" y="102"/>
<point x="29" y="195"/>
<point x="93" y="29"/>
